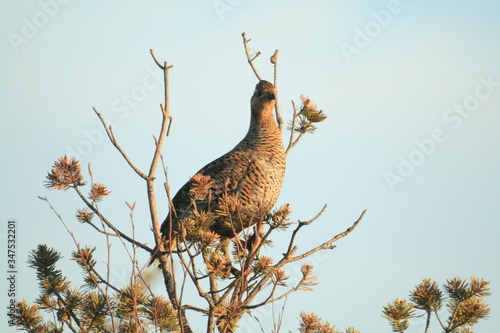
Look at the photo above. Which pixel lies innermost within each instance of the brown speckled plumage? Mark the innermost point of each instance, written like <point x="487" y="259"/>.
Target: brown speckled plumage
<point x="252" y="172"/>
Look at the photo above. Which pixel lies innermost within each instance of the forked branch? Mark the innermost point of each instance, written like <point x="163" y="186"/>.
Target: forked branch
<point x="274" y="60"/>
<point x="251" y="57"/>
<point x="111" y="136"/>
<point x="329" y="244"/>
<point x="110" y="225"/>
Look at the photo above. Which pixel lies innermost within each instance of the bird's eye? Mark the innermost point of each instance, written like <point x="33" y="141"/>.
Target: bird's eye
<point x="259" y="94"/>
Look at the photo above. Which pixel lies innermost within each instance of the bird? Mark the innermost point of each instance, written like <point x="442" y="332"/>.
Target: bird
<point x="250" y="176"/>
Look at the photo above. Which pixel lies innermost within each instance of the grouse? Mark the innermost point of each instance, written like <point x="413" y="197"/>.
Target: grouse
<point x="250" y="175"/>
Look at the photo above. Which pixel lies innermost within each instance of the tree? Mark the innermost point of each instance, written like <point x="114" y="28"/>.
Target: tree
<point x="229" y="287"/>
<point x="464" y="301"/>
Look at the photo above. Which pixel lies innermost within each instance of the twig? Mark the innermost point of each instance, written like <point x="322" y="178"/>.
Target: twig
<point x="110" y="225"/>
<point x="272" y="300"/>
<point x="258" y="321"/>
<point x="111" y="136"/>
<point x="133" y="260"/>
<point x="88" y="268"/>
<point x="165" y="266"/>
<point x="108" y="252"/>
<point x="250" y="58"/>
<point x="279" y="119"/>
<point x="292" y="129"/>
<point x="195" y="308"/>
<point x="100" y="230"/>
<point x="328" y="244"/>
<point x="156" y="60"/>
<point x="165" y="67"/>
<point x="439" y="320"/>
<point x="280" y="318"/>
<point x="193" y="275"/>
<point x="300" y="225"/>
<point x="292" y="142"/>
<point x="288" y="256"/>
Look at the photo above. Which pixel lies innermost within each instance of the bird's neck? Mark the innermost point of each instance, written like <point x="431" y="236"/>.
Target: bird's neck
<point x="263" y="118"/>
<point x="263" y="128"/>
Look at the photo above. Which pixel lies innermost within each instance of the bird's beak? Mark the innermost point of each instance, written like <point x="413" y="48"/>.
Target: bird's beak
<point x="271" y="96"/>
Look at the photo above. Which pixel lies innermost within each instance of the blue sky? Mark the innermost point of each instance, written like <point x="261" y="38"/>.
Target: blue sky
<point x="411" y="88"/>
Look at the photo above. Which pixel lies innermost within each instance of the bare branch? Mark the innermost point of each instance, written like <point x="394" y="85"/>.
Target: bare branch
<point x="195" y="308"/>
<point x="328" y="244"/>
<point x="165" y="126"/>
<point x="111" y="137"/>
<point x="162" y="67"/>
<point x="288" y="256"/>
<point x="292" y="142"/>
<point x="156" y="157"/>
<point x="279" y="119"/>
<point x="292" y="131"/>
<point x="250" y="58"/>
<point x="165" y="266"/>
<point x="291" y="247"/>
<point x="108" y="247"/>
<point x="105" y="294"/>
<point x="439" y="320"/>
<point x="191" y="271"/>
<point x="110" y="225"/>
<point x="272" y="300"/>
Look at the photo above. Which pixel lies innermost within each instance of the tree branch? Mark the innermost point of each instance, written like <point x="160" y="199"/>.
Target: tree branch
<point x="439" y="320"/>
<point x="287" y="257"/>
<point x="300" y="225"/>
<point x="279" y="119"/>
<point x="109" y="224"/>
<point x="250" y="58"/>
<point x="195" y="308"/>
<point x="292" y="142"/>
<point x="111" y="136"/>
<point x="105" y="295"/>
<point x="272" y="300"/>
<point x="165" y="266"/>
<point x="328" y="244"/>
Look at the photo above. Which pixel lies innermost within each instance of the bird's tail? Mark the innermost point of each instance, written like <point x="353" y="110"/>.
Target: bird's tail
<point x="154" y="256"/>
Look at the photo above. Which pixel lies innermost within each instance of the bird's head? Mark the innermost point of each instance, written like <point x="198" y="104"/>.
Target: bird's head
<point x="264" y="98"/>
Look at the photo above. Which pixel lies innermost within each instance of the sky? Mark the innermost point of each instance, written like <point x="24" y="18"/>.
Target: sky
<point x="412" y="94"/>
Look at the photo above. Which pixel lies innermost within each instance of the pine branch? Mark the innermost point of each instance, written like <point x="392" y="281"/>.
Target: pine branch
<point x="288" y="256"/>
<point x="109" y="224"/>
<point x="103" y="293"/>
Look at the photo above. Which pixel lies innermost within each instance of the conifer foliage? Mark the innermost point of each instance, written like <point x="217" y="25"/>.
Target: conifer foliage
<point x="464" y="300"/>
<point x="231" y="276"/>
